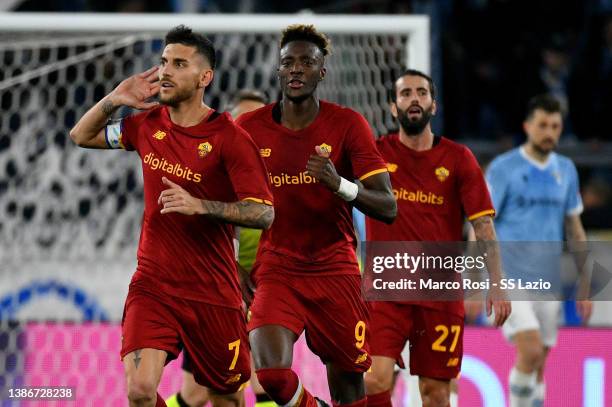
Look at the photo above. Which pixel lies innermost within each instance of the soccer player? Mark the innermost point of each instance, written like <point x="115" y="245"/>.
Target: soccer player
<point x="537" y="198"/>
<point x="192" y="394"/>
<point x="421" y="163"/>
<point x="202" y="175"/>
<point x="322" y="161"/>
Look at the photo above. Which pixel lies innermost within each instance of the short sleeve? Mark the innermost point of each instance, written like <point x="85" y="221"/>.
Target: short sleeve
<point x="573" y="202"/>
<point x="497" y="181"/>
<point x="122" y="133"/>
<point x="246" y="169"/>
<point x="365" y="158"/>
<point x="475" y="198"/>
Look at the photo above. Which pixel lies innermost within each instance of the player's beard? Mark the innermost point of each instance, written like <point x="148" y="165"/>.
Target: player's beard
<point x="180" y="95"/>
<point x="544" y="148"/>
<point x="414" y="127"/>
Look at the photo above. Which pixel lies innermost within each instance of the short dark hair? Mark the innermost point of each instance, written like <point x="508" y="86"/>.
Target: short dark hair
<point x="248" y="94"/>
<point x="184" y="35"/>
<point x="545" y="102"/>
<point x="308" y="33"/>
<point x="412" y="72"/>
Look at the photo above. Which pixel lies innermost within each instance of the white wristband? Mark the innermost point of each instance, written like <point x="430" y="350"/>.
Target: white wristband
<point x="348" y="190"/>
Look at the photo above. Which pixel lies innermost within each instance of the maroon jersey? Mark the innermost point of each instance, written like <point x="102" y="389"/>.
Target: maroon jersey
<point x="435" y="191"/>
<point x="192" y="256"/>
<point x="313" y="227"/>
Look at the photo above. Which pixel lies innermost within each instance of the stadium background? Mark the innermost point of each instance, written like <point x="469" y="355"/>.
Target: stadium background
<point x="69" y="219"/>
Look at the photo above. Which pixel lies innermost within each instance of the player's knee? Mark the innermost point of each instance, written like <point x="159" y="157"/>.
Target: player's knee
<point x="532" y="356"/>
<point x="435" y="394"/>
<point x="195" y="395"/>
<point x="274" y="381"/>
<point x="141" y="391"/>
<point x="378" y="381"/>
<point x="226" y="400"/>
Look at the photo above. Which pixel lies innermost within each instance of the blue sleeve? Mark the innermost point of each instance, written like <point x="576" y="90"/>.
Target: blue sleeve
<point x="573" y="202"/>
<point x="497" y="181"/>
<point x="359" y="222"/>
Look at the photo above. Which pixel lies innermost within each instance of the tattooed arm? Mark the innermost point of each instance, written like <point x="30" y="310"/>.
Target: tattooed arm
<point x="133" y="91"/>
<point x="486" y="239"/>
<point x="243" y="213"/>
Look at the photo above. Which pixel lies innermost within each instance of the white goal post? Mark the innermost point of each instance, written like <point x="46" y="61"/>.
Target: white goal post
<point x="415" y="26"/>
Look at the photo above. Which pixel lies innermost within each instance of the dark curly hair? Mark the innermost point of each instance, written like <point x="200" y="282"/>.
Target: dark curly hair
<point x="185" y="36"/>
<point x="308" y="33"/>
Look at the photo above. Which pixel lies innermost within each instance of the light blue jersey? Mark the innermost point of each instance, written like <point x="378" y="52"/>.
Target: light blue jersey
<point x="531" y="200"/>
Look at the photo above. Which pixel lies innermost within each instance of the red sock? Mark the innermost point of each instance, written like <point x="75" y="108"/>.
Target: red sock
<point x="160" y="401"/>
<point x="307" y="400"/>
<point x="359" y="403"/>
<point x="380" y="400"/>
<point x="284" y="387"/>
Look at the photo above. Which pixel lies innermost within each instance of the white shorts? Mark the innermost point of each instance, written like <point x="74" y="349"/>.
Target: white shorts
<point x="542" y="316"/>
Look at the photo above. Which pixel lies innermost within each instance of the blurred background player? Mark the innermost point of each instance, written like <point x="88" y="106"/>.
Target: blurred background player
<point x="171" y="302"/>
<point x="191" y="393"/>
<point x="306" y="272"/>
<point x="537" y="198"/>
<point x="420" y="161"/>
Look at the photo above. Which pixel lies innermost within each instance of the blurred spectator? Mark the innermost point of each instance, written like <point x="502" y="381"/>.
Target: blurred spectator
<point x="551" y="76"/>
<point x="593" y="82"/>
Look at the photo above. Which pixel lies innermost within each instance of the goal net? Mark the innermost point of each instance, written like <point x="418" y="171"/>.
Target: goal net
<point x="70" y="218"/>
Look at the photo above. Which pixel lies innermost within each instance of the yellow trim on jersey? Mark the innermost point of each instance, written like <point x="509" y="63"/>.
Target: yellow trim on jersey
<point x="263" y="201"/>
<point x="481" y="214"/>
<point x="369" y="174"/>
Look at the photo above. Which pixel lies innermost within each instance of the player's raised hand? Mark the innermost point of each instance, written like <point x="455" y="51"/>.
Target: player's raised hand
<point x="177" y="199"/>
<point x="322" y="169"/>
<point x="135" y="90"/>
<point x="498" y="303"/>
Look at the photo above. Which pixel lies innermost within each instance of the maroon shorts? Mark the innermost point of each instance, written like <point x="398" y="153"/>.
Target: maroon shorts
<point x="436" y="338"/>
<point x="328" y="307"/>
<point x="214" y="336"/>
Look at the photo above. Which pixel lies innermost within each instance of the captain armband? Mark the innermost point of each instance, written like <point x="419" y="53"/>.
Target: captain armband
<point x="112" y="134"/>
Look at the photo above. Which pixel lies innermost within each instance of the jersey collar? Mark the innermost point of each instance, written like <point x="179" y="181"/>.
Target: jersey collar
<point x="537" y="164"/>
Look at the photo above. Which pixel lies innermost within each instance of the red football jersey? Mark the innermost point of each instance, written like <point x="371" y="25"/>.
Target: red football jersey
<point x="192" y="256"/>
<point x="435" y="191"/>
<point x="313" y="227"/>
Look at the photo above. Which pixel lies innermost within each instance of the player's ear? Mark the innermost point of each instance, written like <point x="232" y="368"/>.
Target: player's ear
<point x="393" y="108"/>
<point x="434" y="108"/>
<point x="526" y="126"/>
<point x="206" y="77"/>
<point x="322" y="72"/>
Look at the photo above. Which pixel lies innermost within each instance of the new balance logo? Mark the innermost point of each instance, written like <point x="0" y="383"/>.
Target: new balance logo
<point x="361" y="358"/>
<point x="235" y="378"/>
<point x="159" y="135"/>
<point x="452" y="362"/>
<point x="265" y="152"/>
